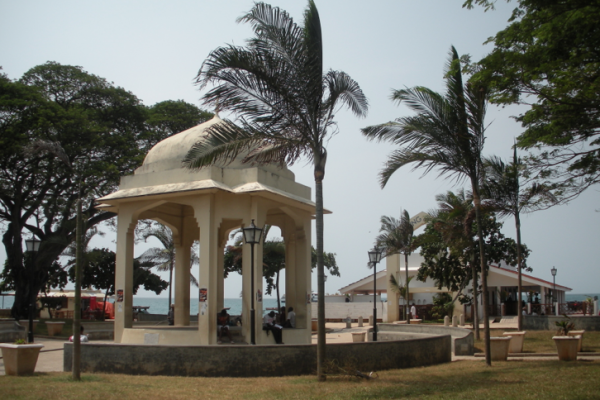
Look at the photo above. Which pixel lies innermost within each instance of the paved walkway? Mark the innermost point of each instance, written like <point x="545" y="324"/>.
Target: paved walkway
<point x="51" y="356"/>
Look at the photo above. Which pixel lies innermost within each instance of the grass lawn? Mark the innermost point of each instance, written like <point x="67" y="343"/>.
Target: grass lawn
<point x="458" y="380"/>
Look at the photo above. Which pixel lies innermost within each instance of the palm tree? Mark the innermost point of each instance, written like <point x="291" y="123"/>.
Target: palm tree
<point x="164" y="258"/>
<point x="396" y="237"/>
<point x="401" y="289"/>
<point x="503" y="193"/>
<point x="285" y="104"/>
<point x="454" y="220"/>
<point x="446" y="134"/>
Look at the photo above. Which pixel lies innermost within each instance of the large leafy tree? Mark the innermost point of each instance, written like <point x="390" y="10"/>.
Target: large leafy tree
<point x="170" y="117"/>
<point x="547" y="58"/>
<point x="447" y="134"/>
<point x="99" y="273"/>
<point x="505" y="195"/>
<point x="450" y="248"/>
<point x="285" y="104"/>
<point x="98" y="129"/>
<point x="396" y="237"/>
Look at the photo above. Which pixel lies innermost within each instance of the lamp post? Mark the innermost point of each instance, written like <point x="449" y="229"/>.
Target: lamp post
<point x="32" y="245"/>
<point x="252" y="235"/>
<point x="374" y="258"/>
<point x="553" y="271"/>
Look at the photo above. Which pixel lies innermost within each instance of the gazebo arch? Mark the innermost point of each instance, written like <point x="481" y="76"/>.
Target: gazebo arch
<point x="205" y="205"/>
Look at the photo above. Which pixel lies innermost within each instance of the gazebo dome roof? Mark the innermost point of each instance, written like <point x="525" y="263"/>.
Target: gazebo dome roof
<point x="168" y="153"/>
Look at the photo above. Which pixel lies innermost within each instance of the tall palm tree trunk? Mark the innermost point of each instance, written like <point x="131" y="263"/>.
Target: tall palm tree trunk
<point x="519" y="261"/>
<point x="475" y="295"/>
<point x="407" y="293"/>
<point x="281" y="319"/>
<point x="320" y="281"/>
<point x="484" y="289"/>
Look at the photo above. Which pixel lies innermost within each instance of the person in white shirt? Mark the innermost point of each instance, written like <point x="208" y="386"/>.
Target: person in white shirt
<point x="270" y="325"/>
<point x="291" y="318"/>
<point x="413" y="311"/>
<point x="82" y="338"/>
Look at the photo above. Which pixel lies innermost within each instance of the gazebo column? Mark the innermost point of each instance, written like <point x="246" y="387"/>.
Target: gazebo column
<point x="204" y="210"/>
<point x="303" y="275"/>
<point x="124" y="273"/>
<point x="182" y="283"/>
<point x="291" y="296"/>
<point x="392" y="263"/>
<point x="221" y="276"/>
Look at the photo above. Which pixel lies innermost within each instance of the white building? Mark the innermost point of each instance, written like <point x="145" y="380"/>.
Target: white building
<point x="502" y="287"/>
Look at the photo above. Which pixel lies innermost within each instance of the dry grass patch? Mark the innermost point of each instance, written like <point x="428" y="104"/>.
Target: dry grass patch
<point x="458" y="380"/>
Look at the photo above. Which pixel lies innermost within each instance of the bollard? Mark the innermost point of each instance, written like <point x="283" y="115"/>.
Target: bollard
<point x="455" y="321"/>
<point x="446" y="321"/>
<point x="348" y="323"/>
<point x="462" y="319"/>
<point x="360" y="321"/>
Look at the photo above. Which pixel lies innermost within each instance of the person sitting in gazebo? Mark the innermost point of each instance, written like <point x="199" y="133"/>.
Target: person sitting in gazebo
<point x="270" y="325"/>
<point x="223" y="325"/>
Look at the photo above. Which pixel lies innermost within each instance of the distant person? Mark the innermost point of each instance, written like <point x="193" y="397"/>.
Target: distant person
<point x="291" y="318"/>
<point x="413" y="311"/>
<point x="223" y="326"/>
<point x="281" y="317"/>
<point x="270" y="325"/>
<point x="82" y="338"/>
<point x="171" y="315"/>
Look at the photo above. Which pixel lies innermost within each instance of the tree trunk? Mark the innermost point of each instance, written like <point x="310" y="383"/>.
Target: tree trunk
<point x="475" y="295"/>
<point x="76" y="373"/>
<point x="278" y="299"/>
<point x="484" y="289"/>
<point x="170" y="283"/>
<point x="519" y="262"/>
<point x="408" y="315"/>
<point x="321" y="353"/>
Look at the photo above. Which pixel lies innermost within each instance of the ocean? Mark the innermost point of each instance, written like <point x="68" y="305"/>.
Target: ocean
<point x="159" y="305"/>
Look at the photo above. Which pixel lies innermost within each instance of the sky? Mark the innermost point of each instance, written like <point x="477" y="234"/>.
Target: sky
<point x="155" y="48"/>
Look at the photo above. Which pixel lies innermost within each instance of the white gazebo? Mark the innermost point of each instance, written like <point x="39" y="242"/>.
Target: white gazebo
<point x="205" y="206"/>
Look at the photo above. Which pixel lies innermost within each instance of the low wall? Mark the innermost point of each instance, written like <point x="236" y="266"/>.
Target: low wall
<point x="340" y="311"/>
<point x="462" y="339"/>
<point x="254" y="361"/>
<point x="10" y="330"/>
<point x="541" y="323"/>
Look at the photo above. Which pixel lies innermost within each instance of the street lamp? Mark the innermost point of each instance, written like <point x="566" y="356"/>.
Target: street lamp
<point x="33" y="246"/>
<point x="553" y="270"/>
<point x="252" y="235"/>
<point x="374" y="258"/>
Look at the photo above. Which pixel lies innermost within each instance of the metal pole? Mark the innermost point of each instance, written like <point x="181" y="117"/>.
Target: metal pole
<point x="374" y="301"/>
<point x="252" y="311"/>
<point x="554" y="290"/>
